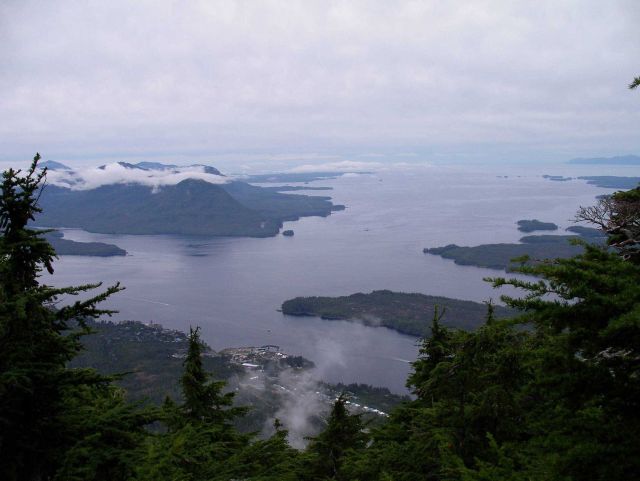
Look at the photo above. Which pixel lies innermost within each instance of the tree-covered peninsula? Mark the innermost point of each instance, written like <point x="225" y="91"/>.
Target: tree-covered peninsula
<point x="531" y="249"/>
<point x="67" y="247"/>
<point x="403" y="312"/>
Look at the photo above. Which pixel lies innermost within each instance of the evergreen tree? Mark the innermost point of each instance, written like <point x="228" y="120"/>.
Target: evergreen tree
<point x="584" y="410"/>
<point x="270" y="459"/>
<point x="618" y="216"/>
<point x="434" y="350"/>
<point x="37" y="390"/>
<point x="203" y="399"/>
<point x="200" y="440"/>
<point x="108" y="433"/>
<point x="326" y="452"/>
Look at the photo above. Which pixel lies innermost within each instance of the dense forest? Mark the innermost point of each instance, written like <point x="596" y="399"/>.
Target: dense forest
<point x="551" y="394"/>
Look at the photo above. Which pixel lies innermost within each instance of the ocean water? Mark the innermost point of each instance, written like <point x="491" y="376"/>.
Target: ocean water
<point x="233" y="287"/>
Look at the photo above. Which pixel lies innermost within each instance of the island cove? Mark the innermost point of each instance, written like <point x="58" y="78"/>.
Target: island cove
<point x="531" y="249"/>
<point x="407" y="313"/>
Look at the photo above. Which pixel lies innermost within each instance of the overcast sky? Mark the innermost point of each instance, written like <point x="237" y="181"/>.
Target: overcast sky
<point x="260" y="85"/>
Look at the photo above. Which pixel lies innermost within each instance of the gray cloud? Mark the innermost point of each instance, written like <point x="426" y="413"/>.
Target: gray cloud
<point x="244" y="82"/>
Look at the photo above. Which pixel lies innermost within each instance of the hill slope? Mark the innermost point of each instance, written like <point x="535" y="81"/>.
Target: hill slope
<point x="191" y="207"/>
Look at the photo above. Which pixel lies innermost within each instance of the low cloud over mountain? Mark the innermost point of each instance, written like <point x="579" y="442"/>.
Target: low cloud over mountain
<point x="150" y="174"/>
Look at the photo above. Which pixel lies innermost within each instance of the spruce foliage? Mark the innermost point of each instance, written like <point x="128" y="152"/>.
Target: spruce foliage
<point x="37" y="341"/>
<point x="204" y="400"/>
<point x="326" y="453"/>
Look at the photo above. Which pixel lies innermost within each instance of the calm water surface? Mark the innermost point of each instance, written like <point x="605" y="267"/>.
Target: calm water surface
<point x="232" y="287"/>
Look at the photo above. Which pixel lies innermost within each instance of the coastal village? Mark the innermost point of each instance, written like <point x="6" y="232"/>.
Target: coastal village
<point x="255" y="357"/>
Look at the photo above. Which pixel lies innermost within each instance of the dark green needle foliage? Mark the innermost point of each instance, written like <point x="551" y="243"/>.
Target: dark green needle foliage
<point x="200" y="441"/>
<point x="586" y="313"/>
<point x="203" y="399"/>
<point x="326" y="452"/>
<point x="38" y="393"/>
<point x="199" y="438"/>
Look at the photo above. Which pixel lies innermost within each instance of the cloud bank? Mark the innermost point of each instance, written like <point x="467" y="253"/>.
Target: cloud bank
<point x="117" y="173"/>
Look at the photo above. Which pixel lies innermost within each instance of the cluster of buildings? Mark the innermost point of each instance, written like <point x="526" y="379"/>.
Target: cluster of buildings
<point x="254" y="357"/>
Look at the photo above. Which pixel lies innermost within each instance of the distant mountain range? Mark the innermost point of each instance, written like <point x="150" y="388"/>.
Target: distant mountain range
<point x="53" y="165"/>
<point x="153" y="198"/>
<point x="617" y="160"/>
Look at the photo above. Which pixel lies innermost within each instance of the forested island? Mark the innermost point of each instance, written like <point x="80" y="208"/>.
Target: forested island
<point x="525" y="225"/>
<point x="193" y="206"/>
<point x="557" y="178"/>
<point x="536" y="247"/>
<point x="67" y="247"/>
<point x="406" y="313"/>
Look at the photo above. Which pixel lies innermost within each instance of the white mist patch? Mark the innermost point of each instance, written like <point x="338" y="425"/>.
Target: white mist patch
<point x="305" y="401"/>
<point x="371" y="320"/>
<point x="302" y="402"/>
<point x="333" y="353"/>
<point x="117" y="173"/>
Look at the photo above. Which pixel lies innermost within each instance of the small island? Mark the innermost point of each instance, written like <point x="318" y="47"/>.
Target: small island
<point x="525" y="225"/>
<point x="288" y="233"/>
<point x="557" y="178"/>
<point x="66" y="247"/>
<point x="407" y="313"/>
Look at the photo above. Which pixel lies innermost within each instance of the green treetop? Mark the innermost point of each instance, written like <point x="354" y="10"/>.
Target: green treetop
<point x="203" y="399"/>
